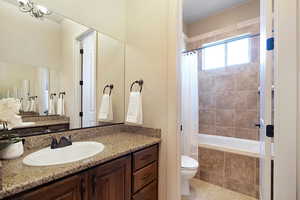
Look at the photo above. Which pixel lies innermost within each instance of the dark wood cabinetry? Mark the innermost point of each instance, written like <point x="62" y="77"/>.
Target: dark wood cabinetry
<point x="67" y="189"/>
<point x="111" y="181"/>
<point x="114" y="180"/>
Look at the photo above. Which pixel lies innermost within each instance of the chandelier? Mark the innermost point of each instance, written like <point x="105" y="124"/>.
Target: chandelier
<point x="37" y="11"/>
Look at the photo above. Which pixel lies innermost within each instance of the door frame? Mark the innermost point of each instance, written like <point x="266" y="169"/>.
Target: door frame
<point x="77" y="74"/>
<point x="286" y="99"/>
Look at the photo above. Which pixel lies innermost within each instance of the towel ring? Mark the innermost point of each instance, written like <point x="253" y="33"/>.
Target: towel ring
<point x="111" y="87"/>
<point x="32" y="98"/>
<point x="61" y="94"/>
<point x="139" y="82"/>
<point x="52" y="95"/>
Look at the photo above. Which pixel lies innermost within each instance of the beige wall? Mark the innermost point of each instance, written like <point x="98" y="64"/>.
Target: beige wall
<point x="234" y="15"/>
<point x="110" y="70"/>
<point x="105" y="16"/>
<point x="11" y="77"/>
<point x="37" y="43"/>
<point x="151" y="50"/>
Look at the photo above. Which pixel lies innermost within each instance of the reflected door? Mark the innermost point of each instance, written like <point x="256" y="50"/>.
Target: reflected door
<point x="88" y="45"/>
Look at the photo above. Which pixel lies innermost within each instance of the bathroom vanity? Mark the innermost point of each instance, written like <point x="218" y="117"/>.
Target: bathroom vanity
<point x="134" y="175"/>
<point x="58" y="85"/>
<point x="126" y="169"/>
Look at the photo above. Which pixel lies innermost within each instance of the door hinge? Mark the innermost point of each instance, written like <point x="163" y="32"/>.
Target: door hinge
<point x="81" y="51"/>
<point x="270" y="131"/>
<point x="270" y="44"/>
<point x="80" y="82"/>
<point x="81" y="114"/>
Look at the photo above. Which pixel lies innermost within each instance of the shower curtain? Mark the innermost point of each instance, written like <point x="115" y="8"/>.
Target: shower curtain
<point x="190" y="104"/>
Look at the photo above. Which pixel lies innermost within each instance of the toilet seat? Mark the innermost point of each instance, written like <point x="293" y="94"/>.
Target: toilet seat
<point x="188" y="163"/>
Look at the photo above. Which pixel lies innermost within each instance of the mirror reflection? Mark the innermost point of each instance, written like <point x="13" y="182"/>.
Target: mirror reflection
<point x="56" y="74"/>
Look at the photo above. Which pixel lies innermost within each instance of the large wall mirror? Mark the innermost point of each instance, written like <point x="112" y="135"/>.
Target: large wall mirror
<point x="58" y="73"/>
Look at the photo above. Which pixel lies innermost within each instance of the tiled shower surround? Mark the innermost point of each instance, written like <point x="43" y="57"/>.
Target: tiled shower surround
<point x="236" y="172"/>
<point x="228" y="98"/>
<point x="229" y="106"/>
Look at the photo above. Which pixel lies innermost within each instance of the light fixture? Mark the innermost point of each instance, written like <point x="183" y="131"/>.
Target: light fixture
<point x="36" y="11"/>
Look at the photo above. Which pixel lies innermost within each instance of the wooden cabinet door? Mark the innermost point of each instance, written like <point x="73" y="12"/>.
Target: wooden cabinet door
<point x="66" y="189"/>
<point x="111" y="181"/>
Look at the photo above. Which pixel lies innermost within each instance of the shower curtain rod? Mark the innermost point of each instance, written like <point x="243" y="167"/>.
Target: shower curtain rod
<point x="224" y="42"/>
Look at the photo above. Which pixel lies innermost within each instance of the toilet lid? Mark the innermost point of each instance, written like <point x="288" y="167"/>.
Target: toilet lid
<point x="189" y="163"/>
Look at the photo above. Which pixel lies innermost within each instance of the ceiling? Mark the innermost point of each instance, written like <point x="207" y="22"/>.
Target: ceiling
<point x="194" y="10"/>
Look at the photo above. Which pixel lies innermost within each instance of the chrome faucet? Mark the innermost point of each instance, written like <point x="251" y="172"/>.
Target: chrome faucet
<point x="63" y="142"/>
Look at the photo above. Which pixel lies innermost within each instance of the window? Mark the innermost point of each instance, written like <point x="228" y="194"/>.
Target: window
<point x="226" y="53"/>
<point x="214" y="57"/>
<point x="238" y="52"/>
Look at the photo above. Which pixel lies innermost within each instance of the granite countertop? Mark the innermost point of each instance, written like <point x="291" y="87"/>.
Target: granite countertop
<point x="18" y="177"/>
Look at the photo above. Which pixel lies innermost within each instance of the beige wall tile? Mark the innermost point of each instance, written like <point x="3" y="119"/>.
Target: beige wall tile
<point x="207" y="101"/>
<point x="246" y="119"/>
<point x="207" y="117"/>
<point x="206" y="83"/>
<point x="211" y="161"/>
<point x="225" y="118"/>
<point x="225" y="131"/>
<point x="240" y="173"/>
<point x="207" y="129"/>
<point x="225" y="99"/>
<point x="246" y="133"/>
<point x="225" y="82"/>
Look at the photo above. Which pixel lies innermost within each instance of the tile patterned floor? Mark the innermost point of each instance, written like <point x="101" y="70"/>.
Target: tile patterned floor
<point x="205" y="191"/>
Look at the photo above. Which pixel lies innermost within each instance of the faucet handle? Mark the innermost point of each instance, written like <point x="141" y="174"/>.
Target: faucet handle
<point x="54" y="143"/>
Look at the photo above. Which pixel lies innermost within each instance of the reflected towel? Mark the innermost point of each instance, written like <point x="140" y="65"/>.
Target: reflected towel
<point x="51" y="107"/>
<point x="135" y="108"/>
<point x="106" y="112"/>
<point x="61" y="106"/>
<point x="33" y="106"/>
<point x="27" y="105"/>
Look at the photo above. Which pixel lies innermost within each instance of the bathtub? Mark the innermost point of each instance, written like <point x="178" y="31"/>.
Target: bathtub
<point x="228" y="144"/>
<point x="224" y="160"/>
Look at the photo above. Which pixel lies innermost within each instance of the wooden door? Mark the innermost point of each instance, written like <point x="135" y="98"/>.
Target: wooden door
<point x="111" y="181"/>
<point x="67" y="189"/>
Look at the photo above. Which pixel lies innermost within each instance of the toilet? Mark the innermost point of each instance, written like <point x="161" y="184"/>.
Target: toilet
<point x="189" y="168"/>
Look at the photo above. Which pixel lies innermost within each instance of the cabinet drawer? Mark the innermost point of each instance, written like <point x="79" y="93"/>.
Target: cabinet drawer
<point x="147" y="193"/>
<point x="144" y="157"/>
<point x="144" y="176"/>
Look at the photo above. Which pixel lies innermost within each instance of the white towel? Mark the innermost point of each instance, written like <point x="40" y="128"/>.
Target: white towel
<point x="51" y="110"/>
<point x="27" y="105"/>
<point x="106" y="111"/>
<point x="25" y="88"/>
<point x="135" y="108"/>
<point x="61" y="106"/>
<point x="33" y="106"/>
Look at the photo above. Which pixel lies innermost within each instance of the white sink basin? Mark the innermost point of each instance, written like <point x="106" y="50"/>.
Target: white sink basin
<point x="77" y="151"/>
